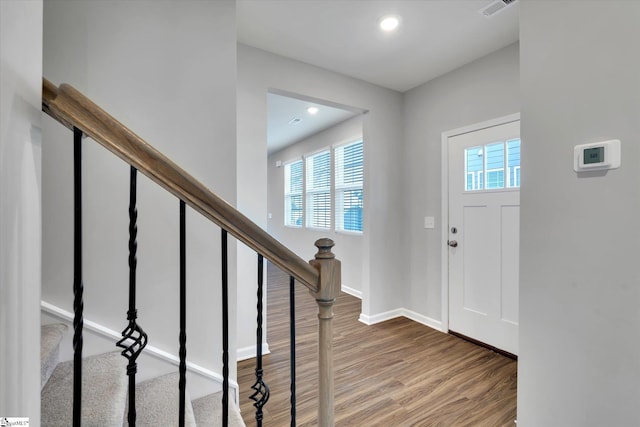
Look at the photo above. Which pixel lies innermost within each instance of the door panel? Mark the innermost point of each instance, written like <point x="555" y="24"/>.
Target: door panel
<point x="510" y="263"/>
<point x="484" y="200"/>
<point x="476" y="276"/>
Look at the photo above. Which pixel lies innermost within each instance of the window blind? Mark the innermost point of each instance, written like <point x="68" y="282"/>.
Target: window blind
<point x="319" y="190"/>
<point x="293" y="209"/>
<point x="349" y="186"/>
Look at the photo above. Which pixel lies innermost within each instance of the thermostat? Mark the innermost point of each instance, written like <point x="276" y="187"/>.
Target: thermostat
<point x="597" y="156"/>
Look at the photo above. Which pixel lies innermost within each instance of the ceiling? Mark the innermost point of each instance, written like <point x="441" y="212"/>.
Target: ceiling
<point x="434" y="37"/>
<point x="290" y="122"/>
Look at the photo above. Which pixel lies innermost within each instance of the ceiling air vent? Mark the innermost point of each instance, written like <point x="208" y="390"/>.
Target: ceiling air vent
<point x="495" y="7"/>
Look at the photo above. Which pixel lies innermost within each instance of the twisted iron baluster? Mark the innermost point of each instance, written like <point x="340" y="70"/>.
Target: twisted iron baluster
<point x="261" y="392"/>
<point x="134" y="339"/>
<point x="78" y="287"/>
<point x="183" y="316"/>
<point x="292" y="340"/>
<point x="225" y="332"/>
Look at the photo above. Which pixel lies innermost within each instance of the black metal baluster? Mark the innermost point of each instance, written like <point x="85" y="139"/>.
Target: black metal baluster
<point x="292" y="340"/>
<point x="261" y="392"/>
<point x="78" y="287"/>
<point x="183" y="316"/>
<point x="225" y="332"/>
<point x="134" y="339"/>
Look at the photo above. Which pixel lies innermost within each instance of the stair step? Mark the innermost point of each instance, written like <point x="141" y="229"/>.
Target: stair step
<point x="208" y="412"/>
<point x="157" y="403"/>
<point x="50" y="337"/>
<point x="104" y="392"/>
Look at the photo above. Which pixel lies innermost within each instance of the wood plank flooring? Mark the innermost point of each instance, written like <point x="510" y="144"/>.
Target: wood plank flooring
<point x="395" y="373"/>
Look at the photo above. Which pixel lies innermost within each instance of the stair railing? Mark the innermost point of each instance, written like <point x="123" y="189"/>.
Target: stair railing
<point x="322" y="276"/>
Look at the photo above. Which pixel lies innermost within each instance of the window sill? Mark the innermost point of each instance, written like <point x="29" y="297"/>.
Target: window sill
<point x="318" y="229"/>
<point x="350" y="233"/>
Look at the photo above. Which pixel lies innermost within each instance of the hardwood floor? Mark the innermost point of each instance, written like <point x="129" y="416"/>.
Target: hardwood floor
<point x="395" y="373"/>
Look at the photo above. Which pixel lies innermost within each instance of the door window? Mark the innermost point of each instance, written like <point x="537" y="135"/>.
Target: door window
<point x="493" y="166"/>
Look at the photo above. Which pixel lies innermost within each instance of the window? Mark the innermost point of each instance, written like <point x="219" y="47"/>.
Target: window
<point x="293" y="194"/>
<point x="513" y="162"/>
<point x="325" y="189"/>
<point x="348" y="187"/>
<point x="474" y="167"/>
<point x="319" y="190"/>
<point x="493" y="166"/>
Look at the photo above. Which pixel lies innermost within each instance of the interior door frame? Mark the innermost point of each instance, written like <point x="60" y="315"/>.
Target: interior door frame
<point x="444" y="178"/>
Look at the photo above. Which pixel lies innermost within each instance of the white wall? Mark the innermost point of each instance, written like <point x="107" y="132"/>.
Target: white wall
<point x="349" y="246"/>
<point x="259" y="71"/>
<point x="20" y="207"/>
<point x="482" y="90"/>
<point x="251" y="200"/>
<point x="580" y="241"/>
<point x="168" y="71"/>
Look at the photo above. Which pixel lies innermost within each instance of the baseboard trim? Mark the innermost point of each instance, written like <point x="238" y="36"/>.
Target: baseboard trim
<point x="149" y="350"/>
<point x="380" y="317"/>
<point x="425" y="320"/>
<point x="250" y="352"/>
<point x="401" y="312"/>
<point x="353" y="292"/>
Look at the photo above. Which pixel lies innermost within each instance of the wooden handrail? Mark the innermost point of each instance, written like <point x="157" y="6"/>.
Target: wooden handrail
<point x="71" y="108"/>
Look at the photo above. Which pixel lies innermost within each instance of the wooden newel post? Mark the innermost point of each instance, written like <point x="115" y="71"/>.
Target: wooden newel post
<point x="328" y="289"/>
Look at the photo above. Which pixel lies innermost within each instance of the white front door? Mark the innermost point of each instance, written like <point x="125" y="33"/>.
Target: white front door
<point x="484" y="218"/>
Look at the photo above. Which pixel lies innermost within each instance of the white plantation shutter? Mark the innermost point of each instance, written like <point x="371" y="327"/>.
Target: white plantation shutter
<point x="319" y="190"/>
<point x="349" y="194"/>
<point x="293" y="194"/>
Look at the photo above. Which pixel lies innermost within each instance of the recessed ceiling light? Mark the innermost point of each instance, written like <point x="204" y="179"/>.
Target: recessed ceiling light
<point x="389" y="23"/>
<point x="312" y="110"/>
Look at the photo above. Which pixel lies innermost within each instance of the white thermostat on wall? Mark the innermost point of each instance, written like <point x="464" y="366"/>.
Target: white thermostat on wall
<point x="597" y="156"/>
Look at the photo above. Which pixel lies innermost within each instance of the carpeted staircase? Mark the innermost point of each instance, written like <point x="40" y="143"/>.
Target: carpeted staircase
<point x="104" y="397"/>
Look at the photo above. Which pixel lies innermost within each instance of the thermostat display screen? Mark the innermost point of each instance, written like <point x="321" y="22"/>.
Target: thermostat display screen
<point x="596" y="156"/>
<point x="593" y="155"/>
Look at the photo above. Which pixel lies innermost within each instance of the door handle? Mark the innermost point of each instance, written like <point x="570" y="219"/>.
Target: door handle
<point x="452" y="243"/>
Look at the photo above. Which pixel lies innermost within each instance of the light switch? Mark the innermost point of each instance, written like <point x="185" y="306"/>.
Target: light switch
<point x="429" y="222"/>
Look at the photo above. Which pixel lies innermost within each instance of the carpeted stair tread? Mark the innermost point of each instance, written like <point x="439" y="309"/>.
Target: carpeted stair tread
<point x="50" y="337"/>
<point x="104" y="392"/>
<point x="157" y="403"/>
<point x="208" y="412"/>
